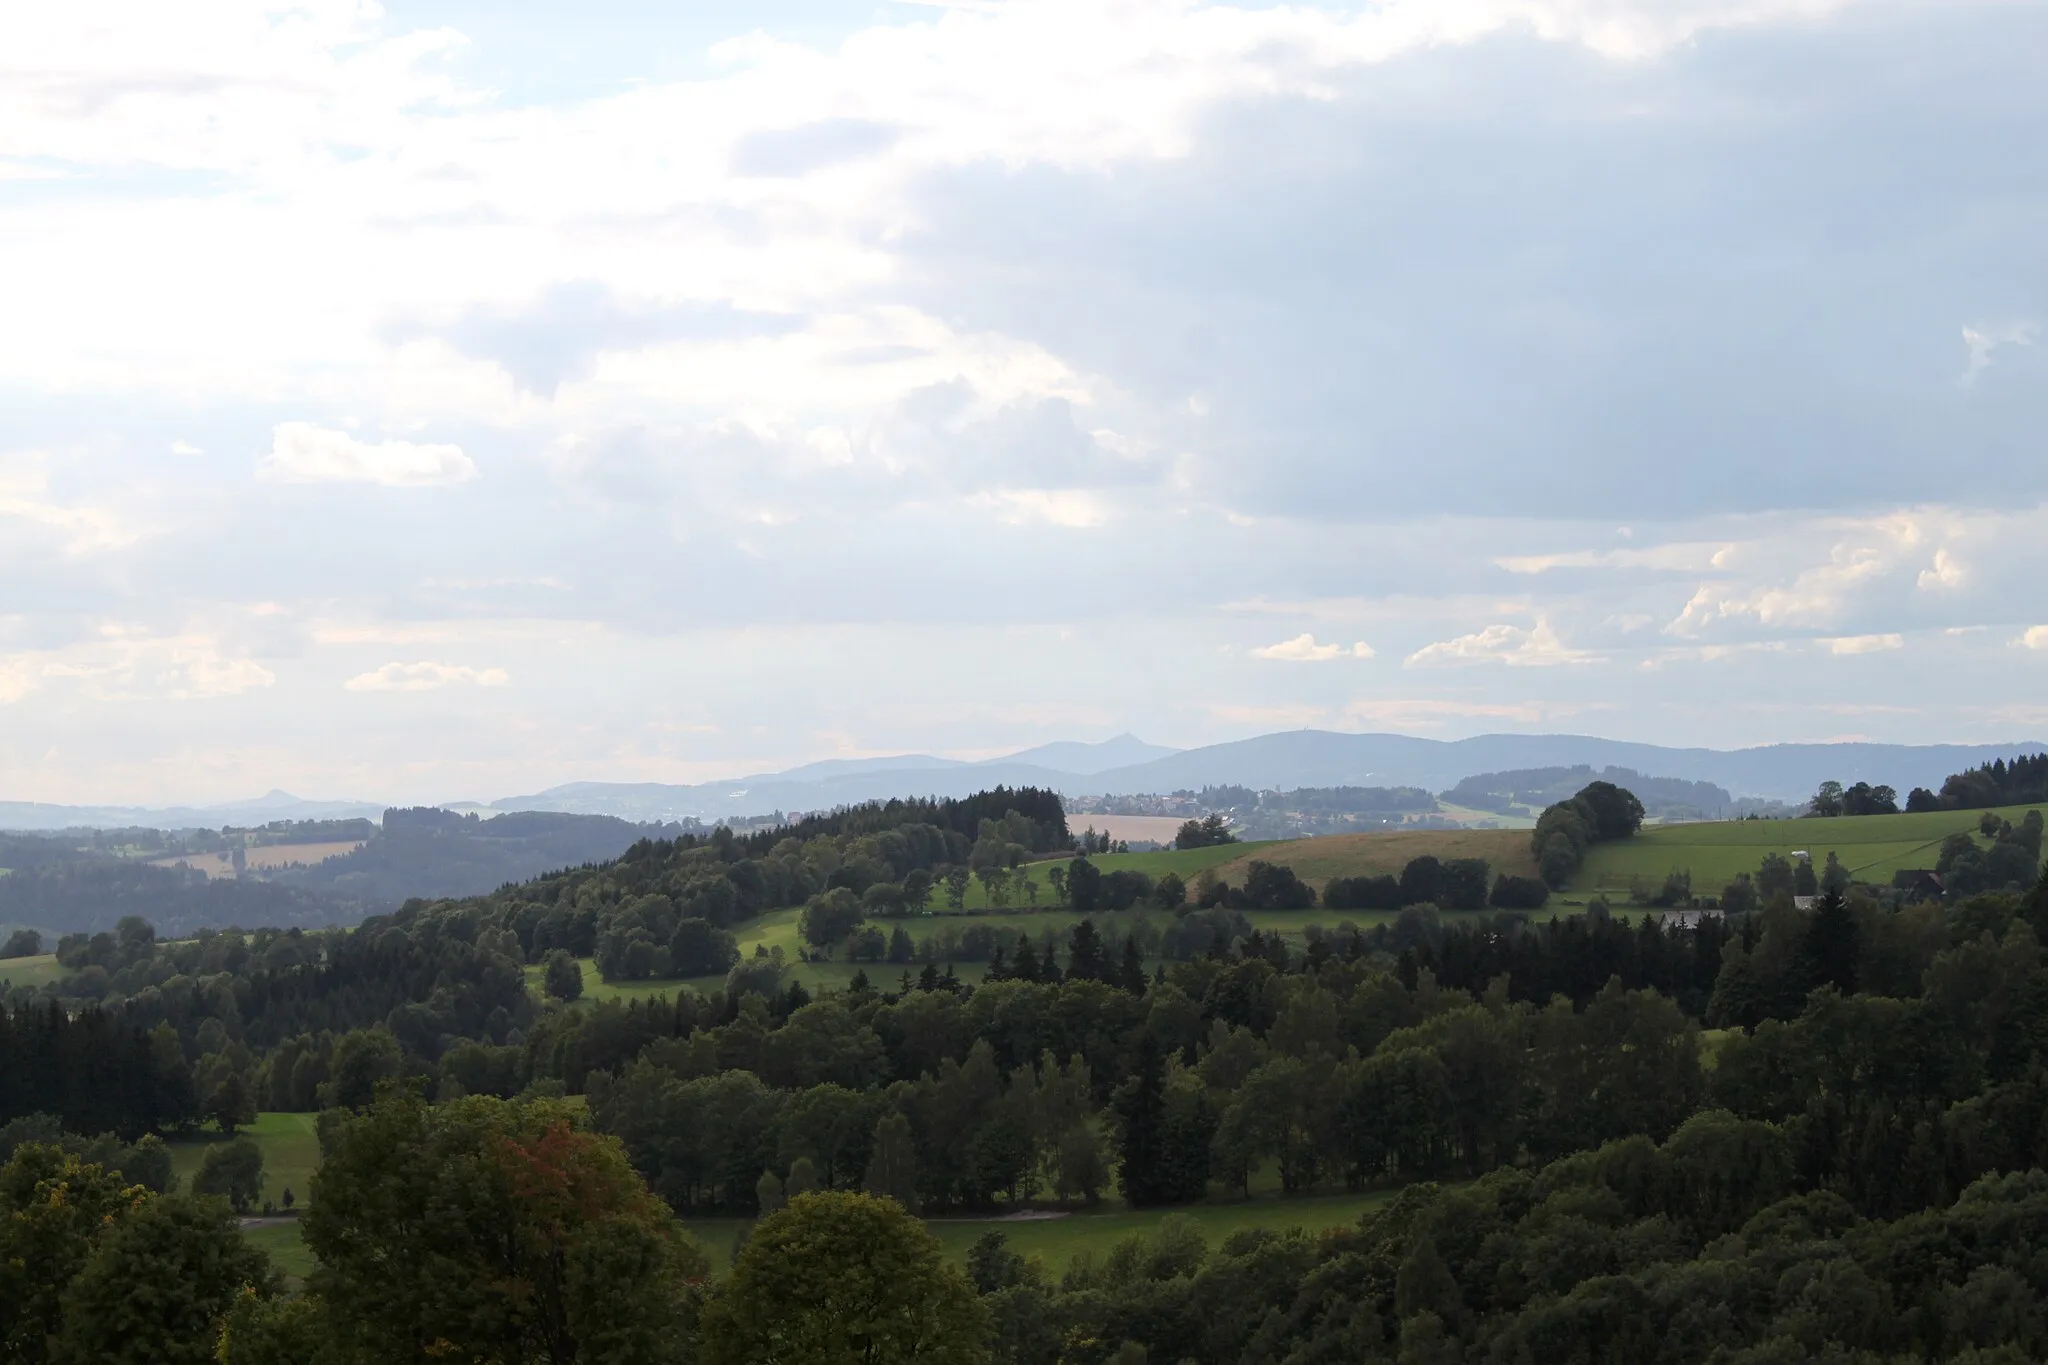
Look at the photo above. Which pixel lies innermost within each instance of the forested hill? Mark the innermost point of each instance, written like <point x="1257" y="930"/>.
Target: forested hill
<point x="63" y="891"/>
<point x="437" y="854"/>
<point x="60" y="886"/>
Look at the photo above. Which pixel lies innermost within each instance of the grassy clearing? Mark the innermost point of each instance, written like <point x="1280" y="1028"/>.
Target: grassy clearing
<point x="285" y="1246"/>
<point x="1056" y="1241"/>
<point x="40" y="970"/>
<point x="291" y="1153"/>
<point x="1355" y="855"/>
<point x="1872" y="847"/>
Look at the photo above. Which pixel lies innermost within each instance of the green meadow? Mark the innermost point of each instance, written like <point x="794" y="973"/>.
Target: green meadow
<point x="1872" y="847"/>
<point x="291" y="1153"/>
<point x="39" y="970"/>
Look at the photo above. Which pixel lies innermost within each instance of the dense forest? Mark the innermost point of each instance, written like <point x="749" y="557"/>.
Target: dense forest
<point x="62" y="890"/>
<point x="425" y="852"/>
<point x="1536" y="788"/>
<point x="1773" y="1134"/>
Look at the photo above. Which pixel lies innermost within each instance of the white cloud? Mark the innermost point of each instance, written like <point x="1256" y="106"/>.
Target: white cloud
<point x="2034" y="637"/>
<point x="185" y="448"/>
<point x="1863" y="644"/>
<point x="424" y="676"/>
<point x="1074" y="508"/>
<point x="1304" y="649"/>
<point x="1513" y="645"/>
<point x="120" y="663"/>
<point x="1984" y="342"/>
<point x="303" y="453"/>
<point x="1820" y="595"/>
<point x="1945" y="572"/>
<point x="1678" y="556"/>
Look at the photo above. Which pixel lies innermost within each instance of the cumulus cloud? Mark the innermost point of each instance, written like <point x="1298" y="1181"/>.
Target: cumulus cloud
<point x="2035" y="637"/>
<point x="425" y="676"/>
<point x="1863" y="644"/>
<point x="303" y="453"/>
<point x="1304" y="649"/>
<point x="1944" y="572"/>
<point x="1534" y="646"/>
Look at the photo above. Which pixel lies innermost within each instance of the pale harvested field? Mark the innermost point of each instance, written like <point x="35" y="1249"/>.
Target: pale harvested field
<point x="1158" y="828"/>
<point x="274" y="855"/>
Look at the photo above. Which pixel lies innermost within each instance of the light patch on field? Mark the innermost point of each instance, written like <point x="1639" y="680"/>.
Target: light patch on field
<point x="268" y="856"/>
<point x="1158" y="828"/>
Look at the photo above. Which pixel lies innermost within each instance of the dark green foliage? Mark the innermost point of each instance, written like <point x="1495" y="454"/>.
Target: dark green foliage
<point x="562" y="975"/>
<point x="94" y="1071"/>
<point x="1207" y="832"/>
<point x="157" y="1284"/>
<point x="22" y="943"/>
<point x="1084" y="886"/>
<point x="1511" y="892"/>
<point x="1381" y="892"/>
<point x="1998" y="783"/>
<point x="1272" y="886"/>
<point x="429" y="853"/>
<point x="1832" y="943"/>
<point x="94" y="1268"/>
<point x="89" y="892"/>
<point x="1599" y="812"/>
<point x="232" y="1171"/>
<point x="486" y="1230"/>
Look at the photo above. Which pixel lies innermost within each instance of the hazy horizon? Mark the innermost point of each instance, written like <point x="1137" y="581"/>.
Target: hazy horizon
<point x="458" y="398"/>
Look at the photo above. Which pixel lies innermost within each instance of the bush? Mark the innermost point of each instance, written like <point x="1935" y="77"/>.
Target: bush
<point x="1511" y="892"/>
<point x="1270" y="886"/>
<point x="561" y="975"/>
<point x="1363" y="893"/>
<point x="233" y="1170"/>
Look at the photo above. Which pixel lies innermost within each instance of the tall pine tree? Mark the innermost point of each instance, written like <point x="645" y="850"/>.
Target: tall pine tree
<point x="1141" y="1111"/>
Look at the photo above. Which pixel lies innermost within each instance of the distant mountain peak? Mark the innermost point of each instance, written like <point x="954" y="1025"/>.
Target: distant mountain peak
<point x="1084" y="759"/>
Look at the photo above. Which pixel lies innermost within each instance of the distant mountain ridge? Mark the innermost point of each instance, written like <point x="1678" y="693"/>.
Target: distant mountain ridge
<point x="1127" y="765"/>
<point x="1287" y="760"/>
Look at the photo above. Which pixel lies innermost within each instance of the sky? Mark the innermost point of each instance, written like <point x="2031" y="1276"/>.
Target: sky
<point x="445" y="400"/>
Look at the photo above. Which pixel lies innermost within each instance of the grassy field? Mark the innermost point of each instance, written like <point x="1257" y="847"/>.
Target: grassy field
<point x="291" y="1153"/>
<point x="31" y="971"/>
<point x="285" y="1246"/>
<point x="1353" y="855"/>
<point x="1872" y="847"/>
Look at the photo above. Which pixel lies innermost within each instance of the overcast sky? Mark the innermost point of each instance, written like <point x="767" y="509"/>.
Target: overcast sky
<point x="450" y="399"/>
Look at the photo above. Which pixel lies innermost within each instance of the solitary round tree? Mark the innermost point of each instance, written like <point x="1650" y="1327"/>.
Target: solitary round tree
<point x="561" y="975"/>
<point x="837" y="1278"/>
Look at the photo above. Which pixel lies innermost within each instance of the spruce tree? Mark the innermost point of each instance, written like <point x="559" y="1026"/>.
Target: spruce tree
<point x="1141" y="1109"/>
<point x="1832" y="942"/>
